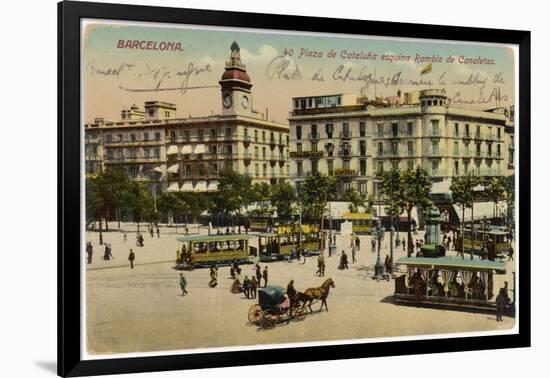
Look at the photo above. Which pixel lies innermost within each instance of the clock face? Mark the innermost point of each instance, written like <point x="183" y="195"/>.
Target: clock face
<point x="227" y="100"/>
<point x="244" y="102"/>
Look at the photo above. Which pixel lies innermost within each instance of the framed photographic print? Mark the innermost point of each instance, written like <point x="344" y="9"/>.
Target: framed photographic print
<point x="241" y="188"/>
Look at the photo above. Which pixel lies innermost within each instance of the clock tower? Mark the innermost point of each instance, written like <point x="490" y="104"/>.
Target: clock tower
<point x="235" y="85"/>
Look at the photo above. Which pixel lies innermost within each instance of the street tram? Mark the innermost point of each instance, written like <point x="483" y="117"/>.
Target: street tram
<point x="450" y="281"/>
<point x="362" y="223"/>
<point x="282" y="244"/>
<point x="474" y="242"/>
<point x="207" y="250"/>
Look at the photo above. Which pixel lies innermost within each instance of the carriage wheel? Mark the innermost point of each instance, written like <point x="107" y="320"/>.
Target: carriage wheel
<point x="255" y="314"/>
<point x="299" y="313"/>
<point x="268" y="319"/>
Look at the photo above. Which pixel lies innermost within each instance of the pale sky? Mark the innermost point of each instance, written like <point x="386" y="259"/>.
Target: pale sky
<point x="110" y="73"/>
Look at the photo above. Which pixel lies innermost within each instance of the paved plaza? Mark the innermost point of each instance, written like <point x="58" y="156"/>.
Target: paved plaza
<point x="141" y="309"/>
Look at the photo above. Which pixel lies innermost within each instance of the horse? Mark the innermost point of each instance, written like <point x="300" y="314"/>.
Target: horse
<point x="319" y="293"/>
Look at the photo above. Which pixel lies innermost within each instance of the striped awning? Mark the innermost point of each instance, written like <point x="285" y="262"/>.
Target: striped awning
<point x="186" y="150"/>
<point x="201" y="186"/>
<point x="172" y="150"/>
<point x="157" y="169"/>
<point x="187" y="186"/>
<point x="174" y="168"/>
<point x="173" y="187"/>
<point x="199" y="149"/>
<point x="212" y="186"/>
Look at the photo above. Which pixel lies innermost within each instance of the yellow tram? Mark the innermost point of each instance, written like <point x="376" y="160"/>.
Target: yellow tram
<point x="206" y="250"/>
<point x="474" y="242"/>
<point x="362" y="223"/>
<point x="282" y="244"/>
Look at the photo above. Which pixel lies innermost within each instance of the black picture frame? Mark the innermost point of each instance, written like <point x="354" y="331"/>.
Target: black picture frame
<point x="69" y="191"/>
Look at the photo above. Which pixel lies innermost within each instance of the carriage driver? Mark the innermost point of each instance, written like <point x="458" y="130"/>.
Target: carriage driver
<point x="291" y="293"/>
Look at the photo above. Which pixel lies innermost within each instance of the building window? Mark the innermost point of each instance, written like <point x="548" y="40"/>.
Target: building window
<point x="263" y="136"/>
<point x="409" y="128"/>
<point x="314" y="131"/>
<point x="456" y="130"/>
<point x="298" y="132"/>
<point x="255" y="135"/>
<point x="394" y="148"/>
<point x="109" y="154"/>
<point x="314" y="166"/>
<point x="478" y="131"/>
<point x="380" y="129"/>
<point x="498" y="149"/>
<point x="201" y="135"/>
<point x="120" y="137"/>
<point x="435" y="167"/>
<point x="455" y="149"/>
<point x="330" y="167"/>
<point x="456" y="168"/>
<point x="394" y="129"/>
<point x="145" y="137"/>
<point x="395" y="164"/>
<point x="329" y="129"/>
<point x="380" y="166"/>
<point x="256" y="153"/>
<point x="410" y="148"/>
<point x="299" y="147"/>
<point x="157" y="153"/>
<point x="146" y="153"/>
<point x="380" y="149"/>
<point x="187" y="170"/>
<point x="435" y="127"/>
<point x="228" y="132"/>
<point x="256" y="170"/>
<point x="435" y="147"/>
<point x="363" y="167"/>
<point x="213" y="134"/>
<point x="410" y="165"/>
<point x="478" y="149"/>
<point x="467" y="130"/>
<point x="362" y="148"/>
<point x="362" y="129"/>
<point x="264" y="170"/>
<point x="314" y="146"/>
<point x="498" y="133"/>
<point x="263" y="153"/>
<point x="345" y="164"/>
<point x="345" y="129"/>
<point x="186" y="136"/>
<point x="299" y="168"/>
<point x="109" y="138"/>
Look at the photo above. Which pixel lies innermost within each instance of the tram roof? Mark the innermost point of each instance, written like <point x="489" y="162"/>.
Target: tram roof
<point x="454" y="263"/>
<point x="208" y="238"/>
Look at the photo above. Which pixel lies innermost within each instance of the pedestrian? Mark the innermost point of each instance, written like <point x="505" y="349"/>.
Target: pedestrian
<point x="131" y="258"/>
<point x="246" y="287"/>
<point x="89" y="251"/>
<point x="387" y="264"/>
<point x="213" y="277"/>
<point x="510" y="253"/>
<point x="501" y="302"/>
<point x="343" y="261"/>
<point x="403" y="242"/>
<point x="110" y="251"/>
<point x="183" y="285"/>
<point x="106" y="256"/>
<point x="158" y="232"/>
<point x="373" y="245"/>
<point x="258" y="274"/>
<point x="151" y="231"/>
<point x="125" y="236"/>
<point x="353" y="260"/>
<point x="357" y="244"/>
<point x="253" y="287"/>
<point x="320" y="265"/>
<point x="265" y="276"/>
<point x="291" y="293"/>
<point x="178" y="256"/>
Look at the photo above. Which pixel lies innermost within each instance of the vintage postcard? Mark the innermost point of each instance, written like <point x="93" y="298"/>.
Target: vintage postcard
<point x="257" y="189"/>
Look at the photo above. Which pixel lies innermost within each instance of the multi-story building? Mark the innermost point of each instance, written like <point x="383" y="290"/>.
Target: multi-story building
<point x="188" y="154"/>
<point x="353" y="138"/>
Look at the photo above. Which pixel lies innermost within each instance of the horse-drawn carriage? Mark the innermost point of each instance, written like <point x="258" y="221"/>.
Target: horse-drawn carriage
<point x="274" y="306"/>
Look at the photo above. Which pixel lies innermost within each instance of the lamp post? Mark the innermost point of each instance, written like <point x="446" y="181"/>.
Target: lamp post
<point x="378" y="267"/>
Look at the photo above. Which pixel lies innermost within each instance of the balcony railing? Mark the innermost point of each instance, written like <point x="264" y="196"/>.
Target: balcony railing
<point x="345" y="172"/>
<point x="298" y="154"/>
<point x="345" y="134"/>
<point x="345" y="152"/>
<point x="313" y="136"/>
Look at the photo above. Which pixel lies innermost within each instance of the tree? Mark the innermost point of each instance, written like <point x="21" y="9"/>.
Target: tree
<point x="140" y="202"/>
<point x="261" y="195"/>
<point x="462" y="189"/>
<point x="417" y="186"/>
<point x="496" y="189"/>
<point x="234" y="193"/>
<point x="114" y="184"/>
<point x="195" y="203"/>
<point x="283" y="198"/>
<point x="391" y="187"/>
<point x="316" y="191"/>
<point x="172" y="202"/>
<point x="355" y="199"/>
<point x="95" y="202"/>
